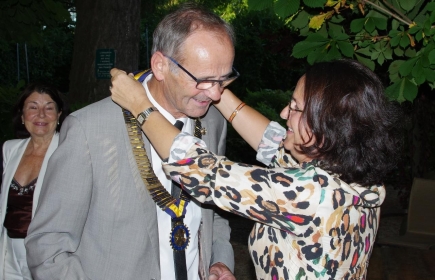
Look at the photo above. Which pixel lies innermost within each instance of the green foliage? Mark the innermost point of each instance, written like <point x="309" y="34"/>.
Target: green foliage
<point x="50" y="61"/>
<point x="25" y="18"/>
<point x="8" y="98"/>
<point x="374" y="32"/>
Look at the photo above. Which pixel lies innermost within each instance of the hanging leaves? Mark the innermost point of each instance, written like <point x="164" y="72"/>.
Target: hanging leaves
<point x="397" y="33"/>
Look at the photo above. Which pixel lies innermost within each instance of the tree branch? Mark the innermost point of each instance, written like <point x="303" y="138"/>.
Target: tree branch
<point x="397" y="11"/>
<point x="387" y="12"/>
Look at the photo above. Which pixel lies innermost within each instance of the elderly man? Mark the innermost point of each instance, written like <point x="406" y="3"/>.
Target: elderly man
<point x="102" y="214"/>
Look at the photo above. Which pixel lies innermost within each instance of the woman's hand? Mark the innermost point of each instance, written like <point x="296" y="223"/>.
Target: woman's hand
<point x="127" y="92"/>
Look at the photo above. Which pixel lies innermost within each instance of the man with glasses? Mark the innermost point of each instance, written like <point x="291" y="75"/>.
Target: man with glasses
<point x="106" y="210"/>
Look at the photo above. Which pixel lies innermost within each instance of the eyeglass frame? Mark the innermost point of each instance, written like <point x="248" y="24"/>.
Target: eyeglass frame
<point x="290" y="109"/>
<point x="213" y="82"/>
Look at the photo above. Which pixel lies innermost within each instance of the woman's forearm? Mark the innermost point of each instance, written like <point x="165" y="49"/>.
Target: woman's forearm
<point x="130" y="94"/>
<point x="248" y="122"/>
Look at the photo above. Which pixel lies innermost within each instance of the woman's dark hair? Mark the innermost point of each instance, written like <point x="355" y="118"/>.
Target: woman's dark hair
<point x="41" y="88"/>
<point x="358" y="132"/>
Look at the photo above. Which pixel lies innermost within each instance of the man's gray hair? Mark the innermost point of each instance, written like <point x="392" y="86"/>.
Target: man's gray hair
<point x="174" y="29"/>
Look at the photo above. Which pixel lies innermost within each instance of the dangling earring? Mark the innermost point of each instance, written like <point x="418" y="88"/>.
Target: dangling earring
<point x="22" y="122"/>
<point x="57" y="122"/>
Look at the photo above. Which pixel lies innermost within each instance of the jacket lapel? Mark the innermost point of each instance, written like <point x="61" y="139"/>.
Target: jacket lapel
<point x="14" y="159"/>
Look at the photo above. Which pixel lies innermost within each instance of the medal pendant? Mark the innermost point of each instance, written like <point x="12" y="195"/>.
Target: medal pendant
<point x="180" y="237"/>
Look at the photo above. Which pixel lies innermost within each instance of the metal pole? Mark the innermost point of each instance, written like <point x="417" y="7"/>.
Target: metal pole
<point x="18" y="63"/>
<point x="148" y="52"/>
<point x="27" y="62"/>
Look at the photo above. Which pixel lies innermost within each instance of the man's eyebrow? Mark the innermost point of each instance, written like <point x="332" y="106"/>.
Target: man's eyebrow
<point x="214" y="79"/>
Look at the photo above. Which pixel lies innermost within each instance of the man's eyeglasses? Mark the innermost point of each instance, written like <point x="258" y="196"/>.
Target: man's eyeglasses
<point x="205" y="83"/>
<point x="290" y="109"/>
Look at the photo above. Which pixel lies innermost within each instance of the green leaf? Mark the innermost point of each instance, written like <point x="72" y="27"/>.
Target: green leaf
<point x="393" y="70"/>
<point x="316" y="37"/>
<point x="346" y="48"/>
<point x="419" y="36"/>
<point x="395" y="40"/>
<point x="258" y="5"/>
<point x="374" y="55"/>
<point x="388" y="53"/>
<point x="367" y="62"/>
<point x="410" y="52"/>
<point x="418" y="72"/>
<point x="301" y="20"/>
<point x="380" y="23"/>
<point x="407" y="5"/>
<point x="404" y="41"/>
<point x="394" y="33"/>
<point x="304" y="48"/>
<point x="398" y="52"/>
<point x="381" y="59"/>
<point x="393" y="92"/>
<point x="357" y="25"/>
<point x="365" y="51"/>
<point x="323" y="31"/>
<point x="420" y="79"/>
<point x="305" y="31"/>
<point x="337" y="19"/>
<point x="432" y="57"/>
<point x="370" y="25"/>
<point x="332" y="54"/>
<point x="335" y="30"/>
<point x="414" y="29"/>
<point x="314" y="3"/>
<point x="406" y="68"/>
<point x="430" y="74"/>
<point x="402" y="90"/>
<point x="315" y="56"/>
<point x="285" y="8"/>
<point x="410" y="90"/>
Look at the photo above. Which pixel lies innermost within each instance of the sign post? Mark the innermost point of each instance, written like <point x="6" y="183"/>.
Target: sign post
<point x="104" y="61"/>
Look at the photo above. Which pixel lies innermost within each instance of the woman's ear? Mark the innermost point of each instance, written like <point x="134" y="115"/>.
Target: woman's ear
<point x="158" y="65"/>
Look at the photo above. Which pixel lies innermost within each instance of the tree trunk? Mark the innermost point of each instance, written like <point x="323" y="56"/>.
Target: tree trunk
<point x="102" y="24"/>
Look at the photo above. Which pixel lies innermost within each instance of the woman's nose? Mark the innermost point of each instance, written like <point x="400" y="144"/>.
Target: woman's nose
<point x="41" y="113"/>
<point x="285" y="113"/>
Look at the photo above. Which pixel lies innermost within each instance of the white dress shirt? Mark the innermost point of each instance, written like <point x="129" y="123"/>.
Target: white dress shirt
<point x="193" y="215"/>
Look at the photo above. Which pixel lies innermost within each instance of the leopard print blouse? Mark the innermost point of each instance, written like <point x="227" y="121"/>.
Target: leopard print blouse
<point x="310" y="224"/>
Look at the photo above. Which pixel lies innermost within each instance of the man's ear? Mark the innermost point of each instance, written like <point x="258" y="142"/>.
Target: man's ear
<point x="159" y="65"/>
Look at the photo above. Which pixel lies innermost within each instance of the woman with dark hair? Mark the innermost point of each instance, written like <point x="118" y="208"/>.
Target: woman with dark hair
<point x="38" y="116"/>
<point x="318" y="203"/>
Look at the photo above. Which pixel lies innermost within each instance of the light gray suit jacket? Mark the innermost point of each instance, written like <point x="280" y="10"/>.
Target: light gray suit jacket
<point x="96" y="219"/>
<point x="13" y="151"/>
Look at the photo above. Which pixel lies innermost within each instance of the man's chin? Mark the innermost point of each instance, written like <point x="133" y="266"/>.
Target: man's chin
<point x="197" y="113"/>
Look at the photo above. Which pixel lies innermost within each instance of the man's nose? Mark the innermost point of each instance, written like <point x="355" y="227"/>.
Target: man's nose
<point x="215" y="92"/>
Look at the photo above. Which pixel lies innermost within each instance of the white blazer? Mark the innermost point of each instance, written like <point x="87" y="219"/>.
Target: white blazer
<point x="13" y="151"/>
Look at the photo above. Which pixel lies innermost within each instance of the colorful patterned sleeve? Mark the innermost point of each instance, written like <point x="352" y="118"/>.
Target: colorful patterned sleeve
<point x="182" y="144"/>
<point x="269" y="144"/>
<point x="279" y="197"/>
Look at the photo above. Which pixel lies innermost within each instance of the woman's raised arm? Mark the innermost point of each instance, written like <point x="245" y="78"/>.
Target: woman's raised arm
<point x="130" y="94"/>
<point x="248" y="122"/>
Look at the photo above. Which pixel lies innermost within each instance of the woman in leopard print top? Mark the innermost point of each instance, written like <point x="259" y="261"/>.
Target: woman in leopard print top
<point x="317" y="203"/>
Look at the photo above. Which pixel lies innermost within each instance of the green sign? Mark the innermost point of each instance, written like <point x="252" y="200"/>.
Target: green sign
<point x="104" y="61"/>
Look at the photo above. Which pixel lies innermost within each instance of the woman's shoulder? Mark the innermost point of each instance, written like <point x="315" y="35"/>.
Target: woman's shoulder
<point x="10" y="144"/>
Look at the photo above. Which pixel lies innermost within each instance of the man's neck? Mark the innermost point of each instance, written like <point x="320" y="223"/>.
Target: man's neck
<point x="155" y="88"/>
